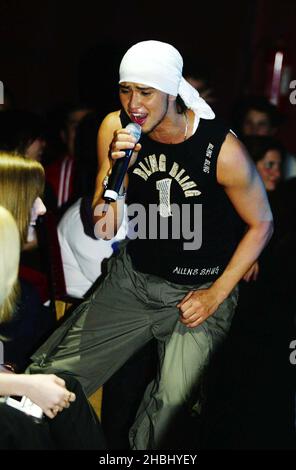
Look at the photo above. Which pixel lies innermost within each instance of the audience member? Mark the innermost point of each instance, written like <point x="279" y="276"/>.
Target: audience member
<point x="60" y="171"/>
<point x="254" y="354"/>
<point x="69" y="422"/>
<point x="23" y="132"/>
<point x="21" y="185"/>
<point x="255" y="115"/>
<point x="198" y="75"/>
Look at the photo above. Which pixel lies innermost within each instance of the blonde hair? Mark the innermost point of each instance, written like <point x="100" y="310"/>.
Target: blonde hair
<point x="9" y="263"/>
<point x="21" y="182"/>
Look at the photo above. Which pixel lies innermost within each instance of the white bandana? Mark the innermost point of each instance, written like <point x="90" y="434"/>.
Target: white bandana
<point x="159" y="65"/>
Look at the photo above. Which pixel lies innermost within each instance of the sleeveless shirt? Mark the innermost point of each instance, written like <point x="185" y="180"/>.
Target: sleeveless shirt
<point x="181" y="222"/>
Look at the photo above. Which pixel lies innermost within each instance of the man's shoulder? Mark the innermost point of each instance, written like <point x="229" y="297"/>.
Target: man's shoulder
<point x="109" y="124"/>
<point x="234" y="162"/>
<point x="212" y="134"/>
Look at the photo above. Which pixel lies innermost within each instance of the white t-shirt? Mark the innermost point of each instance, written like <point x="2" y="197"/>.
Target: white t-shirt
<point x="82" y="256"/>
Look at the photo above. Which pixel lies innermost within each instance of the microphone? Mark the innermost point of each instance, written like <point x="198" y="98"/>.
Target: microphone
<point x="120" y="167"/>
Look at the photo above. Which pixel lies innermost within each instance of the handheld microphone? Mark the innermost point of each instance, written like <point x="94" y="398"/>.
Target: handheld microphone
<point x="120" y="167"/>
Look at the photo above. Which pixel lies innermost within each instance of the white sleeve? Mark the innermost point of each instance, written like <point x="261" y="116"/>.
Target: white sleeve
<point x="76" y="282"/>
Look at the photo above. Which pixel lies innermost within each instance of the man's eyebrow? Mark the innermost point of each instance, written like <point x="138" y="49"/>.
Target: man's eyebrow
<point x="144" y="87"/>
<point x="141" y="88"/>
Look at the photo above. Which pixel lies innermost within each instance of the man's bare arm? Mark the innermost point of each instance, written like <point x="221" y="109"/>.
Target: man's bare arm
<point x="243" y="185"/>
<point x="245" y="189"/>
<point x="112" y="143"/>
<point x="106" y="225"/>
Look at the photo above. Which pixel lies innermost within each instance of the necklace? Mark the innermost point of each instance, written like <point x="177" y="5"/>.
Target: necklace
<point x="186" y="125"/>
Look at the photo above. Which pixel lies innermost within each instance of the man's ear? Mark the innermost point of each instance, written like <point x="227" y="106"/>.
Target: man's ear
<point x="172" y="98"/>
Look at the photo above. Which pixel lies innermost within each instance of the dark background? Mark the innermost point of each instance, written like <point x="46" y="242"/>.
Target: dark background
<point x="54" y="51"/>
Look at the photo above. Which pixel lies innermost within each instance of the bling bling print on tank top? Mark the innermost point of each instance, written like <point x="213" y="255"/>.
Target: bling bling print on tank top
<point x="179" y="182"/>
<point x="159" y="165"/>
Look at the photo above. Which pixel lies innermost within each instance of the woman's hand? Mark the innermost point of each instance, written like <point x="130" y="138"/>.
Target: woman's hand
<point x="49" y="392"/>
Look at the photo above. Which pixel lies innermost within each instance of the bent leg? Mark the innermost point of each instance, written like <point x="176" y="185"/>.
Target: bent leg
<point x="103" y="333"/>
<point x="165" y="402"/>
<point x="168" y="400"/>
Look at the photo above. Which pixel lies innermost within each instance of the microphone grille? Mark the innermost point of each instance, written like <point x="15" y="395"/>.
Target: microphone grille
<point x="135" y="130"/>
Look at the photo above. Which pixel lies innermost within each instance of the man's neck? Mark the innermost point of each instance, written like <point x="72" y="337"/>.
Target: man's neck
<point x="174" y="129"/>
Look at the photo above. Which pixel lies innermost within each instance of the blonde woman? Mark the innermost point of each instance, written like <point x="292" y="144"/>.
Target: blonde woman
<point x="74" y="427"/>
<point x="49" y="392"/>
<point x="21" y="188"/>
<point x="9" y="257"/>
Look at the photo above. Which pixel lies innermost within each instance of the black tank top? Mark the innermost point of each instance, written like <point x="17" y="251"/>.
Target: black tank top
<point x="192" y="236"/>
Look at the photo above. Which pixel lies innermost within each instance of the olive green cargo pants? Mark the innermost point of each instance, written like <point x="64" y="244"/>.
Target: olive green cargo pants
<point x="127" y="310"/>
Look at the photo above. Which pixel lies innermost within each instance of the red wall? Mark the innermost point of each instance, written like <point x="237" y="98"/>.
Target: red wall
<point x="275" y="31"/>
